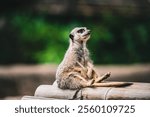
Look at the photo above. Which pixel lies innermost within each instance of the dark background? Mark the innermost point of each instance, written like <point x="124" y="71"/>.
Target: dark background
<point x="36" y="31"/>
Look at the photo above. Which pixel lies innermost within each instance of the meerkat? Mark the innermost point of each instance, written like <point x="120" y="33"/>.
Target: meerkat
<point x="76" y="69"/>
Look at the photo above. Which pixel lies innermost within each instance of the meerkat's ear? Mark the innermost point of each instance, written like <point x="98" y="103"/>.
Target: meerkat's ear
<point x="71" y="37"/>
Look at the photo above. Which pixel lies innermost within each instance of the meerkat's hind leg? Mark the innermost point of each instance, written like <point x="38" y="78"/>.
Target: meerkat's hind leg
<point x="103" y="77"/>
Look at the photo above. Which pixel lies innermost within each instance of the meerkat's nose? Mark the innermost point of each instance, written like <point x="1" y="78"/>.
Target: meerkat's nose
<point x="89" y="31"/>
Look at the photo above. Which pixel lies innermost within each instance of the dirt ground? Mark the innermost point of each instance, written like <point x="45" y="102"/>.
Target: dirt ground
<point x="19" y="80"/>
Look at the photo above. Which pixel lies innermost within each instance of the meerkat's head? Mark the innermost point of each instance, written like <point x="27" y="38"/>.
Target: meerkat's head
<point x="80" y="34"/>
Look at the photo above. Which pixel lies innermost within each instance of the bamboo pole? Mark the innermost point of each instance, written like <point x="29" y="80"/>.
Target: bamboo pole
<point x="136" y="91"/>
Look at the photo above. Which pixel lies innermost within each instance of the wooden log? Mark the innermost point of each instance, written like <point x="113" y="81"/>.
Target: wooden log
<point x="52" y="91"/>
<point x="38" y="98"/>
<point x="135" y="91"/>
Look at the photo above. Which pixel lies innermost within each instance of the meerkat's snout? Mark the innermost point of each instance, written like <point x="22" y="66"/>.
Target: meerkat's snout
<point x="87" y="33"/>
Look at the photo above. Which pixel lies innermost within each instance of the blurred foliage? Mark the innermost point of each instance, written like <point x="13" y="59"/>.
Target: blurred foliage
<point x="27" y="38"/>
<point x="41" y="41"/>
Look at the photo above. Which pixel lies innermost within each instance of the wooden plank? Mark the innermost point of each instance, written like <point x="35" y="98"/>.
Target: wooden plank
<point x="135" y="91"/>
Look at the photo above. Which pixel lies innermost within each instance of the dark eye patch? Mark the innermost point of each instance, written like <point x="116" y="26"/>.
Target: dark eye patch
<point x="81" y="31"/>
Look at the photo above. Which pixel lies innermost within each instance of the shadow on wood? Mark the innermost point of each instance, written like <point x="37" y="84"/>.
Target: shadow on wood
<point x="136" y="91"/>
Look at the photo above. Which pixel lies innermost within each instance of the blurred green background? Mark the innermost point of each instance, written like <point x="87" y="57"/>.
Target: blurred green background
<point x="36" y="31"/>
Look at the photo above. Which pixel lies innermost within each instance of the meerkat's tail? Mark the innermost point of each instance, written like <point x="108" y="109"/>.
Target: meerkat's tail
<point x="111" y="84"/>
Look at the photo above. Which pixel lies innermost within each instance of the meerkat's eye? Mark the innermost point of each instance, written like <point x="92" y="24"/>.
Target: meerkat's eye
<point x="81" y="31"/>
